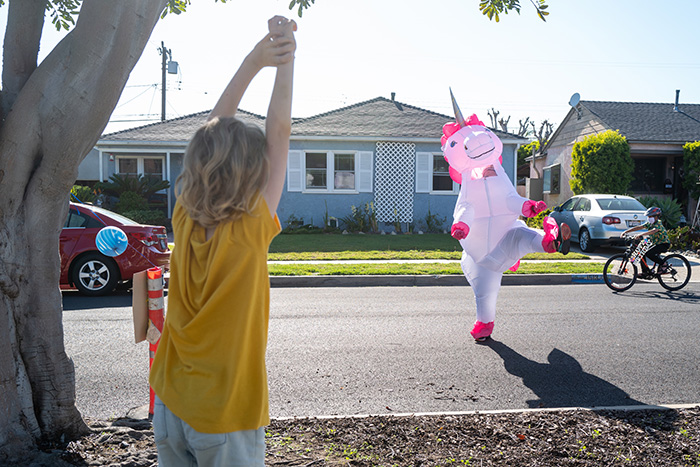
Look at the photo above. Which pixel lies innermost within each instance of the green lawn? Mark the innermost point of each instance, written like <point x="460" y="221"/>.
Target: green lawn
<point x="358" y="242"/>
<point x="375" y="248"/>
<point x="322" y="247"/>
<point x="433" y="269"/>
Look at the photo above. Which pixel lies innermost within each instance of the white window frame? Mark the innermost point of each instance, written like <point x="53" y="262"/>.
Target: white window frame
<point x="425" y="173"/>
<point x="363" y="165"/>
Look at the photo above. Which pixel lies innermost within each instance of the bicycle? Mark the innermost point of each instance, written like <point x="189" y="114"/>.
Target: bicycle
<point x="620" y="272"/>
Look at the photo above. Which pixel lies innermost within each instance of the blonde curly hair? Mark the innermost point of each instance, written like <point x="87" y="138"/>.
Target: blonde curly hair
<point x="225" y="170"/>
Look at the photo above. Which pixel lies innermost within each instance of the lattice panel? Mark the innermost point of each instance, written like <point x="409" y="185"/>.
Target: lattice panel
<point x="394" y="180"/>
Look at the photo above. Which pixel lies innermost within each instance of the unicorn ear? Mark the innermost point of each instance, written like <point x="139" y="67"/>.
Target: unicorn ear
<point x="449" y="129"/>
<point x="474" y="120"/>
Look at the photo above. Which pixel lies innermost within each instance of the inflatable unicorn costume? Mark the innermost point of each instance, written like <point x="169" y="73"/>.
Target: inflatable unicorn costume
<point x="486" y="215"/>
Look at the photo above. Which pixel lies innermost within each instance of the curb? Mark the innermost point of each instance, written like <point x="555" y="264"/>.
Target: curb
<point x="141" y="413"/>
<point x="614" y="408"/>
<point x="428" y="281"/>
<point x="423" y="280"/>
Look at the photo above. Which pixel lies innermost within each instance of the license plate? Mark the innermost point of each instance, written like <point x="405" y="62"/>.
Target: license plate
<point x="634" y="223"/>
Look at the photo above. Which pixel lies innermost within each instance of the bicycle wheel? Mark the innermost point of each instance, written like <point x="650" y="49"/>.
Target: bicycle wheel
<point x="676" y="272"/>
<point x="619" y="273"/>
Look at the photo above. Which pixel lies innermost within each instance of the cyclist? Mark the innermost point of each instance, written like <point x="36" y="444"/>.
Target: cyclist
<point x="658" y="235"/>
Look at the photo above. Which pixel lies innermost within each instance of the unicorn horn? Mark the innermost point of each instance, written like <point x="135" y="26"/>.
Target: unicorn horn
<point x="458" y="113"/>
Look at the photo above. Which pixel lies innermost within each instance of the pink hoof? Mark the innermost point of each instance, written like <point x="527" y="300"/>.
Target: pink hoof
<point x="482" y="330"/>
<point x="460" y="230"/>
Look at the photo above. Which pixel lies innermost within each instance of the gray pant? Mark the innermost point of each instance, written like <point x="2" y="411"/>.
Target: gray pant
<point x="181" y="445"/>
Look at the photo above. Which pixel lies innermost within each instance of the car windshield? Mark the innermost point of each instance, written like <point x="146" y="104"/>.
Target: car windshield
<point x="620" y="204"/>
<point x="99" y="212"/>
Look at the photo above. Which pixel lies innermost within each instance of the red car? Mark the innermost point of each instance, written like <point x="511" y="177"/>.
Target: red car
<point x="91" y="272"/>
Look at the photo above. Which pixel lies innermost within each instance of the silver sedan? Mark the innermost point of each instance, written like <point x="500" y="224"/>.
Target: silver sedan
<point x="599" y="219"/>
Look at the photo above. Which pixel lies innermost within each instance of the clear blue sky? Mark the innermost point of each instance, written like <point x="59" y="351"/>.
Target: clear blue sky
<point x="351" y="51"/>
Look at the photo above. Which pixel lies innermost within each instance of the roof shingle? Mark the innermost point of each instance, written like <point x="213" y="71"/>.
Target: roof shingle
<point x="640" y="121"/>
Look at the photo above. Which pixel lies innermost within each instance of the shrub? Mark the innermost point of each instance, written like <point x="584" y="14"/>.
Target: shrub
<point x="536" y="222"/>
<point x="147" y="216"/>
<point x="670" y="209"/>
<point x="526" y="151"/>
<point x="83" y="194"/>
<point x="297" y="226"/>
<point x="130" y="201"/>
<point x="684" y="238"/>
<point x="361" y="219"/>
<point x="691" y="166"/>
<point x="433" y="222"/>
<point x="142" y="185"/>
<point x="601" y="163"/>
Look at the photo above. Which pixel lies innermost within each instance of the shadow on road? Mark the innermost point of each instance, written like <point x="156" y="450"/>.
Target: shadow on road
<point x="561" y="382"/>
<point x="73" y="300"/>
<point x="678" y="296"/>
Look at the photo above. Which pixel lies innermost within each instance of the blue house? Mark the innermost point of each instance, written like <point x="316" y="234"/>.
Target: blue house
<point x="379" y="151"/>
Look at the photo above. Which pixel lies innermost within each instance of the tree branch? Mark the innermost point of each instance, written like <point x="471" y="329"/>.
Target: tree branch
<point x="65" y="105"/>
<point x="25" y="21"/>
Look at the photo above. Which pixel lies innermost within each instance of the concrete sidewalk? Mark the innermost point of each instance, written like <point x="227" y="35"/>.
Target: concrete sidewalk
<point x="601" y="256"/>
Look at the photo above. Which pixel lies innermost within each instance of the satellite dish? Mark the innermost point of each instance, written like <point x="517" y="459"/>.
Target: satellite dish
<point x="575" y="99"/>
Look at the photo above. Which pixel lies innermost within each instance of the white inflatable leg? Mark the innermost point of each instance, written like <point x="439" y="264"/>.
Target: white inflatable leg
<point x="515" y="244"/>
<point x="486" y="283"/>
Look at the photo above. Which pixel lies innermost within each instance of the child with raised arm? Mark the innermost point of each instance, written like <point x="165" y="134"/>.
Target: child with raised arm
<point x="209" y="372"/>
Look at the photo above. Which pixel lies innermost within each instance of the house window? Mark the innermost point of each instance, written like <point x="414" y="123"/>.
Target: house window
<point x="133" y="166"/>
<point x="330" y="171"/>
<point x="433" y="174"/>
<point x="316" y="170"/>
<point x="322" y="167"/>
<point x="441" y="174"/>
<point x="552" y="179"/>
<point x="344" y="172"/>
<point x="649" y="175"/>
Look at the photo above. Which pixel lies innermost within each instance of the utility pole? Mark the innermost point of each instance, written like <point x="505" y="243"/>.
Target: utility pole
<point x="166" y="54"/>
<point x="172" y="69"/>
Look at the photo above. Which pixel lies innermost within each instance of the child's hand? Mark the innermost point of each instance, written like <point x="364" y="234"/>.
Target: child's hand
<point x="281" y="26"/>
<point x="274" y="50"/>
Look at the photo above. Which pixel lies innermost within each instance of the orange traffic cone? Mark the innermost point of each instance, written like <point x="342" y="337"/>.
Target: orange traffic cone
<point x="156" y="316"/>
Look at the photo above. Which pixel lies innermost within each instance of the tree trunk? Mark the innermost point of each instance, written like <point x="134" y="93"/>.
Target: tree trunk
<point x="56" y="118"/>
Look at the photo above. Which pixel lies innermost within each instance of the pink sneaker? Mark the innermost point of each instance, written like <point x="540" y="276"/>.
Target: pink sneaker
<point x="482" y="330"/>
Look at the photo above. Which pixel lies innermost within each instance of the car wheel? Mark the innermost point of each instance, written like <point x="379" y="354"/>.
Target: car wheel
<point x="584" y="241"/>
<point x="95" y="274"/>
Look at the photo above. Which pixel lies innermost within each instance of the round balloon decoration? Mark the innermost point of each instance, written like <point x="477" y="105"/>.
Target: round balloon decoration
<point x="111" y="241"/>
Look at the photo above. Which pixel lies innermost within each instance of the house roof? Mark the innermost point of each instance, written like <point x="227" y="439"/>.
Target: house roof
<point x="375" y="118"/>
<point x="175" y="130"/>
<point x="379" y="118"/>
<point x="641" y="121"/>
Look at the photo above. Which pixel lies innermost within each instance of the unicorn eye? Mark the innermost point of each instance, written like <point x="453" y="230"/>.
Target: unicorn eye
<point x="453" y="144"/>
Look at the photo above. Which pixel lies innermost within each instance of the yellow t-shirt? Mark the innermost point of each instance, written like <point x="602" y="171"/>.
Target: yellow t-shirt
<point x="209" y="369"/>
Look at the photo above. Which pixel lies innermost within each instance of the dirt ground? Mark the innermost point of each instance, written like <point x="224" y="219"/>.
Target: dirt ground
<point x="536" y="438"/>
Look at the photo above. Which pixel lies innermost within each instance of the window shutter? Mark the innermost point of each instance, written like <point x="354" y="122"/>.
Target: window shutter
<point x="424" y="161"/>
<point x="365" y="171"/>
<point x="295" y="172"/>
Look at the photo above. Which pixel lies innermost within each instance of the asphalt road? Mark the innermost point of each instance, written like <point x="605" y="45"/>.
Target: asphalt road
<point x="407" y="349"/>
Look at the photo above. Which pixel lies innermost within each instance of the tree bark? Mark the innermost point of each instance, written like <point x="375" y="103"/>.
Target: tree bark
<point x="57" y="115"/>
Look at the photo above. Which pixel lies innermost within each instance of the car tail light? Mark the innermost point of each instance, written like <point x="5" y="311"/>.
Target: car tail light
<point x="146" y="239"/>
<point x="162" y="241"/>
<point x="610" y="220"/>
